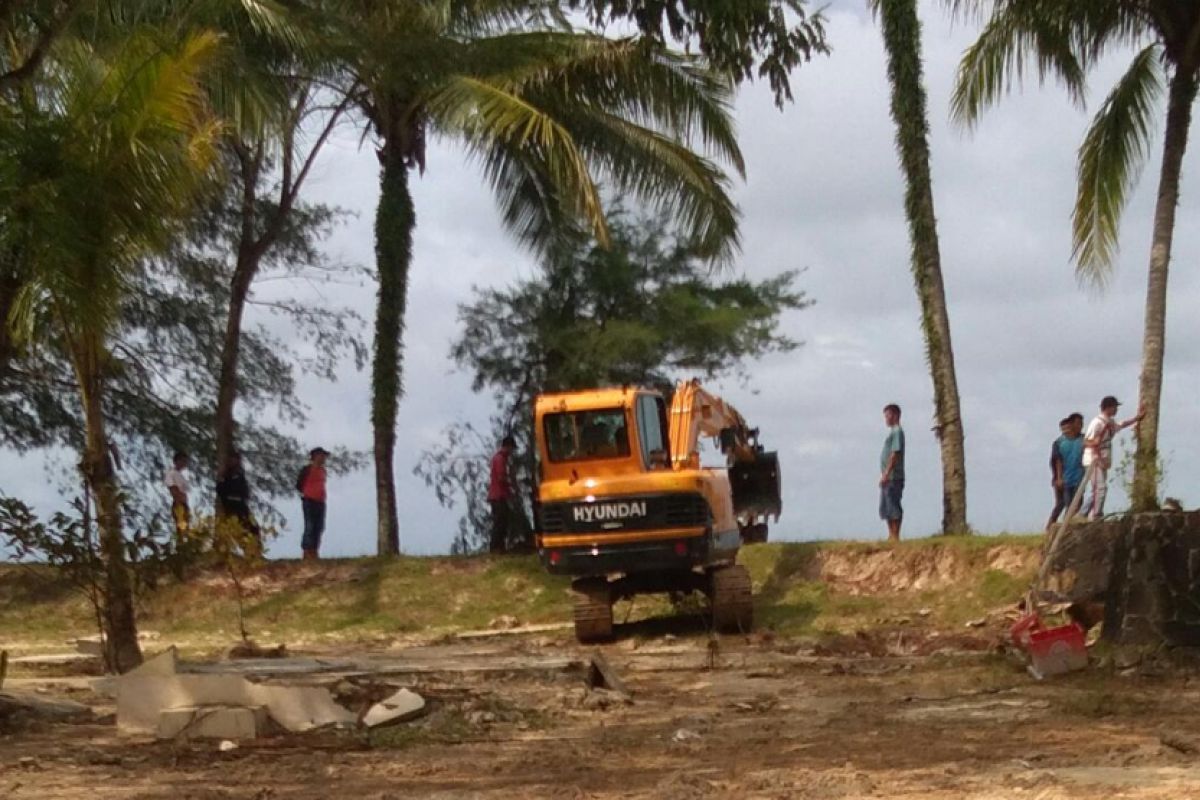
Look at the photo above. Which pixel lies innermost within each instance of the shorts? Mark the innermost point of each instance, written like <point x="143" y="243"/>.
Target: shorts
<point x="889" y="500"/>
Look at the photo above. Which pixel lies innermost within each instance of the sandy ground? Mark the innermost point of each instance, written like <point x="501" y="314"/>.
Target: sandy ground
<point x="754" y="717"/>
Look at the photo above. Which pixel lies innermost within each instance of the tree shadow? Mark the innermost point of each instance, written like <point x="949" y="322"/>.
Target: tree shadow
<point x="682" y="623"/>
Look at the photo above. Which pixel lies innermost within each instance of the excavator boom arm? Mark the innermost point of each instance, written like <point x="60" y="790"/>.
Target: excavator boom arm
<point x="753" y="474"/>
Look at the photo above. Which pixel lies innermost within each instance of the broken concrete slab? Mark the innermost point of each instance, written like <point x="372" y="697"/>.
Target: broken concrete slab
<point x="12" y="703"/>
<point x="89" y="646"/>
<point x="400" y="707"/>
<point x="212" y="722"/>
<point x="153" y="687"/>
<point x="514" y="631"/>
<point x="55" y="660"/>
<point x="602" y="675"/>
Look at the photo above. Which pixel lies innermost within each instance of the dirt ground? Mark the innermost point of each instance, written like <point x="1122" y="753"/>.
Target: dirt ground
<point x="755" y="717"/>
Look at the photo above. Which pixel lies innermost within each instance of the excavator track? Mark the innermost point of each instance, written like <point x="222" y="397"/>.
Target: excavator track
<point x="593" y="611"/>
<point x="732" y="599"/>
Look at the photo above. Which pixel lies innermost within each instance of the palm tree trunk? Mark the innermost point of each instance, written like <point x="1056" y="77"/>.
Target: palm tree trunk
<point x="122" y="652"/>
<point x="902" y="40"/>
<point x="1179" y="117"/>
<point x="395" y="219"/>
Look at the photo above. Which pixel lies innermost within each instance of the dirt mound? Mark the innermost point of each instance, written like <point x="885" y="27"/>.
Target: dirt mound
<point x="886" y="569"/>
<point x="279" y="576"/>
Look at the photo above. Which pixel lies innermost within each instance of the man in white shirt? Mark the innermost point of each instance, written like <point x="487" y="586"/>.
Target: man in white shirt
<point x="177" y="486"/>
<point x="1097" y="451"/>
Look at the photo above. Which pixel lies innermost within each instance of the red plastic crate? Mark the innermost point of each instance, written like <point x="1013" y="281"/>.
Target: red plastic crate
<point x="1052" y="651"/>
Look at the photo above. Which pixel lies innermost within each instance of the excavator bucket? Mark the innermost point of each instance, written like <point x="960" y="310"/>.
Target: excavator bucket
<point x="756" y="486"/>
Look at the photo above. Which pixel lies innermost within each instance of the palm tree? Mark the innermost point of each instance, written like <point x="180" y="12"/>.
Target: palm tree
<point x="103" y="156"/>
<point x="902" y="40"/>
<point x="1066" y="38"/>
<point x="547" y="112"/>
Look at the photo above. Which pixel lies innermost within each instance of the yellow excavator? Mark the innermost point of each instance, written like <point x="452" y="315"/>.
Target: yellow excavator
<point x="625" y="507"/>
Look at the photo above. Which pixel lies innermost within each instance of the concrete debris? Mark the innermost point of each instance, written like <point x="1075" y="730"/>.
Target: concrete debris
<point x="400" y="707"/>
<point x="14" y="703"/>
<point x="516" y="630"/>
<point x="684" y="735"/>
<point x="1179" y="743"/>
<point x="480" y="717"/>
<point x="89" y="646"/>
<point x="212" y="722"/>
<point x="250" y="649"/>
<point x="602" y="675"/>
<point x="75" y="661"/>
<point x="145" y="692"/>
<point x="604" y="699"/>
<point x="226" y="746"/>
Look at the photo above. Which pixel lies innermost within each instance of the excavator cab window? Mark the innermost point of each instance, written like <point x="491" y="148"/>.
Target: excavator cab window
<point x="587" y="434"/>
<point x="652" y="431"/>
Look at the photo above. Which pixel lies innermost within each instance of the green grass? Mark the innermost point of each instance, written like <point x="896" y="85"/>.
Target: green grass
<point x="365" y="599"/>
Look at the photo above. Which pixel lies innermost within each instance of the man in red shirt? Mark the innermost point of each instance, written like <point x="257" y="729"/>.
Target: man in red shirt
<point x="500" y="493"/>
<point x="311" y="485"/>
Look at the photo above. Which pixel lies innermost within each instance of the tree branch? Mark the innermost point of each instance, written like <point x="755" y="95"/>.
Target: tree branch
<point x="41" y="48"/>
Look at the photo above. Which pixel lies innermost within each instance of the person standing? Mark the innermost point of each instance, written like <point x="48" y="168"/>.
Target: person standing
<point x="1066" y="460"/>
<point x="1097" y="451"/>
<point x="311" y="485"/>
<point x="891" y="473"/>
<point x="233" y="495"/>
<point x="500" y="493"/>
<point x="178" y="488"/>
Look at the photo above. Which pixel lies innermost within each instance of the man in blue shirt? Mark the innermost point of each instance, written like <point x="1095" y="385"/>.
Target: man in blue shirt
<point x="1066" y="464"/>
<point x="891" y="473"/>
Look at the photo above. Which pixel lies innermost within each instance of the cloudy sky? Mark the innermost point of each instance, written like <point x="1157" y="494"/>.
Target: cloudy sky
<point x="824" y="194"/>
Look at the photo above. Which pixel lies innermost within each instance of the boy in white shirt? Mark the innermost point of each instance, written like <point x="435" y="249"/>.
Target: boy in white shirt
<point x="177" y="486"/>
<point x="1097" y="451"/>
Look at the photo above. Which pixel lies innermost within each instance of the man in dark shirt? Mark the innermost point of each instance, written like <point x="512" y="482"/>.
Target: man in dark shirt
<point x="233" y="495"/>
<point x="500" y="493"/>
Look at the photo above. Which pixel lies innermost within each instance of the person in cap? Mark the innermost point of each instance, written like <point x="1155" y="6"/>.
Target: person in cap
<point x="1097" y="451"/>
<point x="311" y="485"/>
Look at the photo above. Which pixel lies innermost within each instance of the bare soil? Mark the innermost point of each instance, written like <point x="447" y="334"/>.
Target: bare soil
<point x="887" y="713"/>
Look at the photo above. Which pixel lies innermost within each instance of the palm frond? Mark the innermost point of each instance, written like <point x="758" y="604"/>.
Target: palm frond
<point x="665" y="174"/>
<point x="1110" y="159"/>
<point x="481" y="112"/>
<point x="642" y="83"/>
<point x="107" y="167"/>
<point x="530" y="205"/>
<point x="1019" y="36"/>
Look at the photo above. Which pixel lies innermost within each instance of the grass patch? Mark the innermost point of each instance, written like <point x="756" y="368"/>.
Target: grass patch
<point x="367" y="598"/>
